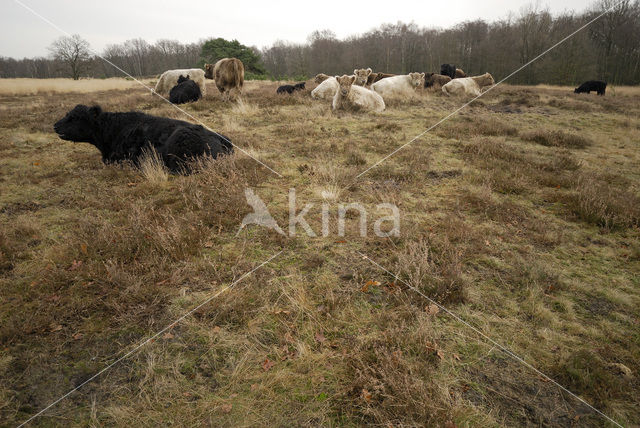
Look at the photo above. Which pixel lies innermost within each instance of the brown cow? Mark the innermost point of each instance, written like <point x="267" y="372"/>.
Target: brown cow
<point x="321" y="78"/>
<point x="228" y="74"/>
<point x="374" y="77"/>
<point x="435" y="80"/>
<point x="460" y="73"/>
<point x="362" y="76"/>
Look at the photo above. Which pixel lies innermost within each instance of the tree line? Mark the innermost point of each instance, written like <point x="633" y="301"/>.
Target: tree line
<point x="608" y="49"/>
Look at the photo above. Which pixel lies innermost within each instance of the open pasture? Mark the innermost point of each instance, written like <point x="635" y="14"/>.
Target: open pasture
<point x="521" y="214"/>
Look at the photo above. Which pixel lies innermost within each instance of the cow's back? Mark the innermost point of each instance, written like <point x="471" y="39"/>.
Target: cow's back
<point x="228" y="74"/>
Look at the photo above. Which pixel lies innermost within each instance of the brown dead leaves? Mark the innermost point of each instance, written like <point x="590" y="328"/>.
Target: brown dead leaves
<point x="267" y="364"/>
<point x="368" y="284"/>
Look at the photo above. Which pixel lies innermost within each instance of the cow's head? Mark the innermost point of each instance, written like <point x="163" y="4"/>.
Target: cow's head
<point x="345" y="83"/>
<point x="182" y="78"/>
<point x="417" y="80"/>
<point x="300" y="85"/>
<point x="79" y="124"/>
<point x="428" y="80"/>
<point x="488" y="79"/>
<point x="320" y="78"/>
<point x="361" y="76"/>
<point x="208" y="71"/>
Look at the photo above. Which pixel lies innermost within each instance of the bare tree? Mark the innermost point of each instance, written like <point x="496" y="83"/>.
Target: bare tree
<point x="72" y="51"/>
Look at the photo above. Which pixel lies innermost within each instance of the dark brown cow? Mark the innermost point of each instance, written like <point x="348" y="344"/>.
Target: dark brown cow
<point x="435" y="81"/>
<point x="374" y="77"/>
<point x="228" y="74"/>
<point x="460" y="73"/>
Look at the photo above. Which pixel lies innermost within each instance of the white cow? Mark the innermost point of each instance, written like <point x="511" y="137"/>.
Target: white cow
<point x="169" y="79"/>
<point x="470" y="86"/>
<point x="325" y="90"/>
<point x="350" y="96"/>
<point x="404" y="84"/>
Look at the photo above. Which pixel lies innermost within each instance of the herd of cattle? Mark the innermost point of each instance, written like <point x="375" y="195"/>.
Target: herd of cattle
<point x="128" y="136"/>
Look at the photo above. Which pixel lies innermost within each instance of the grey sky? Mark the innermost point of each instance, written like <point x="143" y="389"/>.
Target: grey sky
<point x="258" y="23"/>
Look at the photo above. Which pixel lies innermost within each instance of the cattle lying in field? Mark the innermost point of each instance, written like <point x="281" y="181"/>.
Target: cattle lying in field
<point x="471" y="86"/>
<point x="448" y="70"/>
<point x="374" y="77"/>
<point x="169" y="79"/>
<point x="592" y="85"/>
<point x="228" y="74"/>
<point x="325" y="90"/>
<point x="185" y="91"/>
<point x="321" y="77"/>
<point x="459" y="73"/>
<point x="351" y="96"/>
<point x="435" y="81"/>
<point x="126" y="136"/>
<point x="362" y="75"/>
<point x="290" y="89"/>
<point x="404" y="84"/>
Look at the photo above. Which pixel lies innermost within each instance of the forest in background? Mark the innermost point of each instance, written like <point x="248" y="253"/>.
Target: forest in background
<point x="608" y="49"/>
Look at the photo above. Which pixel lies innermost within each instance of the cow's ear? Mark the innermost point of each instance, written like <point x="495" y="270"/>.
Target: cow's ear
<point x="355" y="71"/>
<point x="336" y="77"/>
<point x="421" y="74"/>
<point x="95" y="111"/>
<point x="369" y="71"/>
<point x="353" y="79"/>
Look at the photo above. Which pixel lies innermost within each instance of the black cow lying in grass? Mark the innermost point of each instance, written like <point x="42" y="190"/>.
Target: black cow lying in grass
<point x="448" y="70"/>
<point x="591" y="85"/>
<point x="290" y="89"/>
<point x="185" y="91"/>
<point x="126" y="136"/>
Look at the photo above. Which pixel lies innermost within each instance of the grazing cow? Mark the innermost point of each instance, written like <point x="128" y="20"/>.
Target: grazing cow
<point x="169" y="79"/>
<point x="435" y="81"/>
<point x="321" y="78"/>
<point x="185" y="91"/>
<point x="460" y="73"/>
<point x="448" y="70"/>
<point x="592" y="85"/>
<point x="403" y="84"/>
<point x="362" y="76"/>
<point x="126" y="136"/>
<point x="374" y="77"/>
<point x="290" y="89"/>
<point x="228" y="74"/>
<point x="471" y="86"/>
<point x="351" y="96"/>
<point x="325" y="90"/>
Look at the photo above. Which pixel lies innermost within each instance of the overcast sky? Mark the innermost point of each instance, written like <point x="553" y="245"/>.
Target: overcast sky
<point x="257" y="23"/>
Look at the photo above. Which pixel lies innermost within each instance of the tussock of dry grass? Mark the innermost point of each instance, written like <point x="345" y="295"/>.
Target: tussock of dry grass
<point x="468" y="126"/>
<point x="435" y="269"/>
<point x="558" y="139"/>
<point x="152" y="167"/>
<point x="598" y="202"/>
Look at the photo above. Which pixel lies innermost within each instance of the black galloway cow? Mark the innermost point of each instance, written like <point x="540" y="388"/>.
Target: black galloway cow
<point x="592" y="85"/>
<point x="185" y="91"/>
<point x="448" y="70"/>
<point x="125" y="136"/>
<point x="290" y="89"/>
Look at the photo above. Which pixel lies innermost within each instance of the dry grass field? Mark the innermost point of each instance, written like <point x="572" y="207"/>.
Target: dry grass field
<point x="521" y="215"/>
